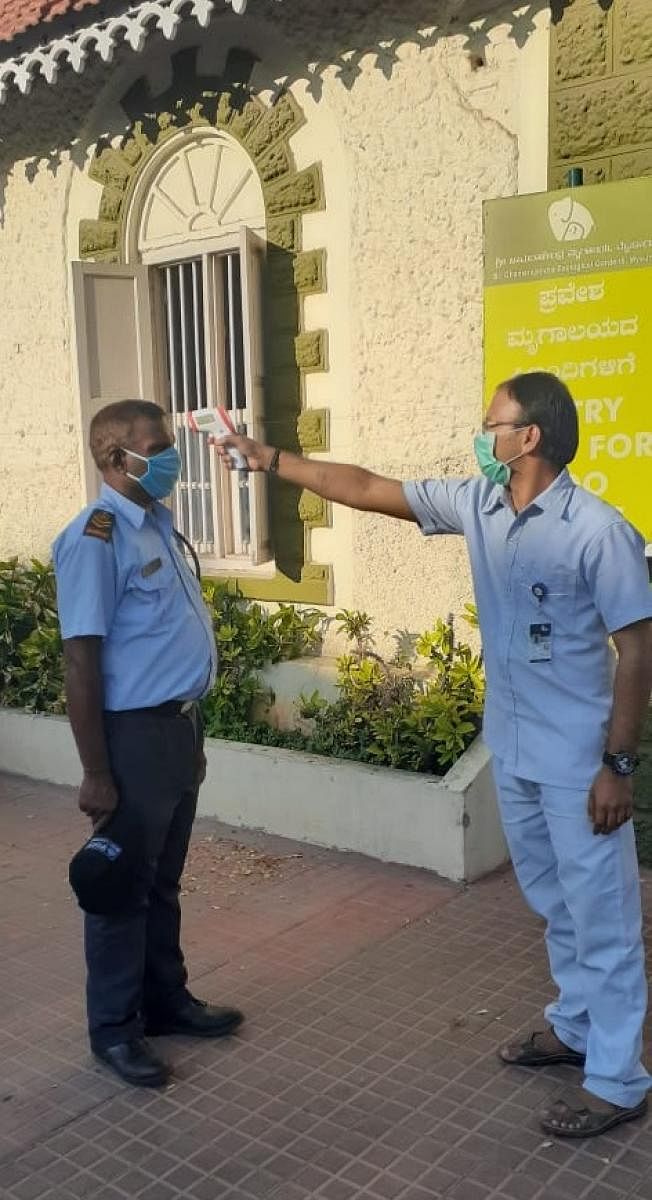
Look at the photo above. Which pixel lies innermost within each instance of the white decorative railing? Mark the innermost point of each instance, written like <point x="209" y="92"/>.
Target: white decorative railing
<point x="101" y="38"/>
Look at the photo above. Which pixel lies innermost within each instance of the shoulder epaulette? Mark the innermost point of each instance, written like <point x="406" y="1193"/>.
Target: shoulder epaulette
<point x="100" y="525"/>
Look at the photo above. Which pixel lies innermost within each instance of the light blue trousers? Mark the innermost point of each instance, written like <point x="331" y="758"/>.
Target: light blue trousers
<point x="587" y="889"/>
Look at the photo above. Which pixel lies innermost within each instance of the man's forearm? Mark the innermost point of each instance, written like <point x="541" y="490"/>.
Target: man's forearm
<point x="85" y="703"/>
<point x="334" y="481"/>
<point x="632" y="687"/>
<point x="343" y="484"/>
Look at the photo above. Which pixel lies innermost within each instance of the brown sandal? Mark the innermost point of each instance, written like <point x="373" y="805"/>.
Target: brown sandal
<point x="564" y="1120"/>
<point x="528" y="1054"/>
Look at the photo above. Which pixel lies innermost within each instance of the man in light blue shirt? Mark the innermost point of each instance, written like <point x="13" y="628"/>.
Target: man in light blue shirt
<point x="137" y="593"/>
<point x="557" y="574"/>
<point x="139" y="652"/>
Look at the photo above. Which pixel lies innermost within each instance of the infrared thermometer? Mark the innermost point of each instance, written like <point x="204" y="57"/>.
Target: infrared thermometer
<point x="218" y="423"/>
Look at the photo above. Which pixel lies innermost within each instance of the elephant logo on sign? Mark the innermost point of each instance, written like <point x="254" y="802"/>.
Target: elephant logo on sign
<point x="570" y="221"/>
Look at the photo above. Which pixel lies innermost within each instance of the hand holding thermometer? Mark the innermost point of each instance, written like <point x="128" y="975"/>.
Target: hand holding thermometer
<point x="216" y="422"/>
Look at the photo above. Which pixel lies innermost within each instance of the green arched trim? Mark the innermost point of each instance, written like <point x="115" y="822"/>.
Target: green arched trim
<point x="291" y="351"/>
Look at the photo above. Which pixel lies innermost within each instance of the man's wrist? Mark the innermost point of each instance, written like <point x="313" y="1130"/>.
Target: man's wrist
<point x="622" y="763"/>
<point x="91" y="772"/>
<point x="271" y="466"/>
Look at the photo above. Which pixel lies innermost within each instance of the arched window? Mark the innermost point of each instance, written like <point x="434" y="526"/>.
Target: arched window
<point x="194" y="245"/>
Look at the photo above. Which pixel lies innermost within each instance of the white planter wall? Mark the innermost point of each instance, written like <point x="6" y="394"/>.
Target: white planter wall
<point x="447" y="825"/>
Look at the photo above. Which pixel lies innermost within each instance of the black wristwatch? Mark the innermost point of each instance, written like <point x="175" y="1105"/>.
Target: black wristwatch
<point x="621" y="763"/>
<point x="273" y="466"/>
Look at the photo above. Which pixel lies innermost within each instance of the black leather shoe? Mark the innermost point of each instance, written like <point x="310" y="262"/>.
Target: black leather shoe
<point x="135" y="1062"/>
<point x="195" y="1018"/>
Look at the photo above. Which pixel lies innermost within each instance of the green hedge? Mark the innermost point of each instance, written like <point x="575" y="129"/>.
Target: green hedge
<point x="389" y="714"/>
<point x="386" y="713"/>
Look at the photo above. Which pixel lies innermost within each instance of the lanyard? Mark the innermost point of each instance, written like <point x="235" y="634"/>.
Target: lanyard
<point x="191" y="550"/>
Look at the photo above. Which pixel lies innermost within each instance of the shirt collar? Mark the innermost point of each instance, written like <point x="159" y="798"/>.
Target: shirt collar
<point x="496" y="498"/>
<point x="557" y="494"/>
<point x="134" y="513"/>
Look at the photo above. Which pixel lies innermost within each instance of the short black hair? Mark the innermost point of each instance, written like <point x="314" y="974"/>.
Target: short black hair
<point x="546" y="402"/>
<point x="112" y="426"/>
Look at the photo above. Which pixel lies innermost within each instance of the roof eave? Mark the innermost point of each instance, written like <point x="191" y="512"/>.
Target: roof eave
<point x="100" y="38"/>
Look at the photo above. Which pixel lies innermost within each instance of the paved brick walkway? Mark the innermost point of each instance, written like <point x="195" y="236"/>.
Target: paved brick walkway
<point x="375" y="997"/>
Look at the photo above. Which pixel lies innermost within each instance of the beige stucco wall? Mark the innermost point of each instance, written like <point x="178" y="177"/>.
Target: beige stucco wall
<point x="451" y="138"/>
<point x="39" y="463"/>
<point x="407" y="161"/>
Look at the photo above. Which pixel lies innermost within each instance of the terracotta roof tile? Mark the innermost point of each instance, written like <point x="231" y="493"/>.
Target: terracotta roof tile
<point x="18" y="15"/>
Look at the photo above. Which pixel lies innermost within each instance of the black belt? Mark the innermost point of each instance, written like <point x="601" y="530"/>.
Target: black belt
<point x="171" y="708"/>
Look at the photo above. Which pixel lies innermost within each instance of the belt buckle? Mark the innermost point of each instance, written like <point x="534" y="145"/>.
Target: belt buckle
<point x="186" y="707"/>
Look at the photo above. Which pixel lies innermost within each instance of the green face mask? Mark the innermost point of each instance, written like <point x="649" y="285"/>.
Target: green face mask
<point x="496" y="471"/>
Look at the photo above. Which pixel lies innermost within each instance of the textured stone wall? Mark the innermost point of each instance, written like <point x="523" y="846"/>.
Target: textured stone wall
<point x="601" y="91"/>
<point x="413" y="128"/>
<point x="425" y="148"/>
<point x="40" y="478"/>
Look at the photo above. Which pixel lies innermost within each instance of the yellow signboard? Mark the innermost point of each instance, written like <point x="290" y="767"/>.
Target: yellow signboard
<point x="568" y="289"/>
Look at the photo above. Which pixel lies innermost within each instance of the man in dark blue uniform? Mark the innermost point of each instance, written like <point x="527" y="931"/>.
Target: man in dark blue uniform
<point x="139" y="652"/>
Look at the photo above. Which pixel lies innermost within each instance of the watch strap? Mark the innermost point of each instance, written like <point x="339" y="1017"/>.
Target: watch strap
<point x="622" y="762"/>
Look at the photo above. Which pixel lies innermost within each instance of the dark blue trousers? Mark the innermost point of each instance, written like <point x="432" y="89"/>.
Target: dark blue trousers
<point x="134" y="961"/>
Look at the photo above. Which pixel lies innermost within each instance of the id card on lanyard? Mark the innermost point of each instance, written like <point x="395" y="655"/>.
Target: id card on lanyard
<point x="540" y="642"/>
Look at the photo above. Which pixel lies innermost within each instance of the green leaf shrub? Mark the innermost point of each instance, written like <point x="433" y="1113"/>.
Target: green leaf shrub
<point x="31" y="662"/>
<point x="418" y="715"/>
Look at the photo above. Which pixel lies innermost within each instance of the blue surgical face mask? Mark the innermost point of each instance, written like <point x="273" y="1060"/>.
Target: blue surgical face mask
<point x="162" y="474"/>
<point x="496" y="471"/>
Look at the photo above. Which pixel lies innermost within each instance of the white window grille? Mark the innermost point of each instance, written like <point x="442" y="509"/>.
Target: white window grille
<point x="213" y="340"/>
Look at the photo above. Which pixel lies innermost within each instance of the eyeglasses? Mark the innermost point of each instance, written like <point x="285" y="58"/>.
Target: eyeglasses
<point x="489" y="426"/>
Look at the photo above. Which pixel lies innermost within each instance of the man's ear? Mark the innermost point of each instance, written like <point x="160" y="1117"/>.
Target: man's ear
<point x="116" y="459"/>
<point x="533" y="439"/>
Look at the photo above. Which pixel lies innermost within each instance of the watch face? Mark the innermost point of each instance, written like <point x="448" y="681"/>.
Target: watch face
<point x="625" y="764"/>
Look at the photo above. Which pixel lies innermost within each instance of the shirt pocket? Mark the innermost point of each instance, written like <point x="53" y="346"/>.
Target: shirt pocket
<point x="150" y="599"/>
<point x="549" y="594"/>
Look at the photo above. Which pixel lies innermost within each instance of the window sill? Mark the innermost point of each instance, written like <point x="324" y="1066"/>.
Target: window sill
<point x="313" y="586"/>
<point x="227" y="568"/>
